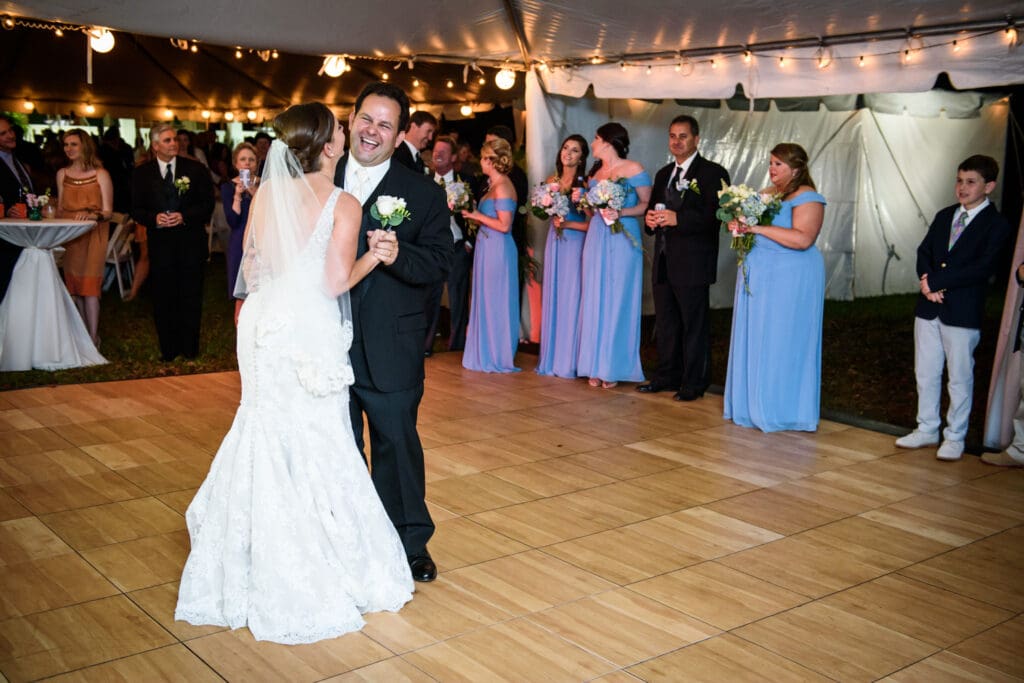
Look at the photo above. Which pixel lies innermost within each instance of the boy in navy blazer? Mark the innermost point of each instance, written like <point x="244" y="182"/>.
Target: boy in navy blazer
<point x="954" y="263"/>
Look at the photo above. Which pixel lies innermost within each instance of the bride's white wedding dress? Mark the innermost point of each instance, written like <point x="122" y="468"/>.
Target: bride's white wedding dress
<point x="288" y="535"/>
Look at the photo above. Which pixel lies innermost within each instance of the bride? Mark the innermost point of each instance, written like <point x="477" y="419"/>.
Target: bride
<point x="288" y="535"/>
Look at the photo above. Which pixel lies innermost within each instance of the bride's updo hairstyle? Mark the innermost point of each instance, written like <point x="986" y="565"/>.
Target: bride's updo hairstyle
<point x="305" y="128"/>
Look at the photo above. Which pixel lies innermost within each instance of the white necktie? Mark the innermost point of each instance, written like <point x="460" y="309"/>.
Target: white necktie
<point x="361" y="183"/>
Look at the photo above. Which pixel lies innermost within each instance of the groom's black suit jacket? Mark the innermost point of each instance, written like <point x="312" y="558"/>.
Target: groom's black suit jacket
<point x="388" y="305"/>
<point x="691" y="246"/>
<point x="960" y="273"/>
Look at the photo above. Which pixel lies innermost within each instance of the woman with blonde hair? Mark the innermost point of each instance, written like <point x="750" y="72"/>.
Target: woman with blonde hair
<point x="236" y="197"/>
<point x="493" y="331"/>
<point x="85" y="192"/>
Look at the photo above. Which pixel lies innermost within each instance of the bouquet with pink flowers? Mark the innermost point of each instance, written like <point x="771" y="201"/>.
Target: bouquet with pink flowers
<point x="548" y="201"/>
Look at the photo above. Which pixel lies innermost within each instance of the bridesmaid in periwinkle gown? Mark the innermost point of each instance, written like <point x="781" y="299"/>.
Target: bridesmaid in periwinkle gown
<point x="613" y="269"/>
<point x="560" y="307"/>
<point x="493" y="331"/>
<point x="774" y="377"/>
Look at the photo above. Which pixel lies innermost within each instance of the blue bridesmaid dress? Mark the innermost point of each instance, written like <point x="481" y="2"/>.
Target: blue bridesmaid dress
<point x="493" y="332"/>
<point x="610" y="301"/>
<point x="774" y="376"/>
<point x="560" y="303"/>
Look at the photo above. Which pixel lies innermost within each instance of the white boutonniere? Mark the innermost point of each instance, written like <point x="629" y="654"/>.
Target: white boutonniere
<point x="683" y="185"/>
<point x="390" y="211"/>
<point x="182" y="184"/>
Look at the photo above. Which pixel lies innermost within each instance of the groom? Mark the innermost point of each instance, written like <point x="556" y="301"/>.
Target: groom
<point x="388" y="313"/>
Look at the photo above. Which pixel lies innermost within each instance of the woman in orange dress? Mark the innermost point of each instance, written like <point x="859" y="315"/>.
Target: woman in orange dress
<point x="85" y="192"/>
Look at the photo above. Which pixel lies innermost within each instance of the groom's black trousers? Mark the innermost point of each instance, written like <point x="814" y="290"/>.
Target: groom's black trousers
<point x="396" y="457"/>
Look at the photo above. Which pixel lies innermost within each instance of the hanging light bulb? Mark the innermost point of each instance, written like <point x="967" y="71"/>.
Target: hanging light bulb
<point x="860" y="61"/>
<point x="824" y="55"/>
<point x="238" y="53"/>
<point x="415" y="82"/>
<point x="251" y="115"/>
<point x="505" y="79"/>
<point x="89" y="108"/>
<point x="274" y="54"/>
<point x="29" y="105"/>
<point x="8" y="22"/>
<point x="714" y="64"/>
<point x="229" y="116"/>
<point x="333" y="66"/>
<point x="385" y="76"/>
<point x="466" y="110"/>
<point x="622" y="66"/>
<point x="782" y="62"/>
<point x="59" y="32"/>
<point x="449" y="83"/>
<point x="648" y="70"/>
<point x="1011" y="34"/>
<point x="595" y="60"/>
<point x="101" y="40"/>
<point x="168" y="114"/>
<point x="956" y="46"/>
<point x="205" y="114"/>
<point x="482" y="80"/>
<point x="747" y="56"/>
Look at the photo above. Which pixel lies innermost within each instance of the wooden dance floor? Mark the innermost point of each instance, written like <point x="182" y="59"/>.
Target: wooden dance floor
<point x="582" y="534"/>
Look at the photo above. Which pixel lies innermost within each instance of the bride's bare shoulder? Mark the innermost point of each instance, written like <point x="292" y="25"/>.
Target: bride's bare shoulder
<point x="348" y="206"/>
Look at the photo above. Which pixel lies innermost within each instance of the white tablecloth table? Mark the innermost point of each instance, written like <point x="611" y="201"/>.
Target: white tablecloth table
<point x="39" y="324"/>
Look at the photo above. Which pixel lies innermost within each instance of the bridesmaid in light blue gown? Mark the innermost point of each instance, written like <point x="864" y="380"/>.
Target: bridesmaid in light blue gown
<point x="613" y="269"/>
<point x="774" y="376"/>
<point x="560" y="305"/>
<point x="493" y="331"/>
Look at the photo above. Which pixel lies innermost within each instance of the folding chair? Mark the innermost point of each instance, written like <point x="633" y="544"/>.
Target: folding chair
<point x="119" y="255"/>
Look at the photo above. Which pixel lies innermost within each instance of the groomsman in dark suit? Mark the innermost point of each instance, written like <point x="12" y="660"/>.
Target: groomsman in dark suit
<point x="685" y="262"/>
<point x="173" y="197"/>
<point x="462" y="258"/>
<point x="14" y="179"/>
<point x="388" y="313"/>
<point x="954" y="262"/>
<point x="422" y="126"/>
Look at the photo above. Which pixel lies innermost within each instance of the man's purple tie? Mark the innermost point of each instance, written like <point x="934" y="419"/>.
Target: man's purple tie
<point x="958" y="227"/>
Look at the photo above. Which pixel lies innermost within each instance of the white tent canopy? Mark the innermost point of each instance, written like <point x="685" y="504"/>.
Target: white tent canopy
<point x="526" y="32"/>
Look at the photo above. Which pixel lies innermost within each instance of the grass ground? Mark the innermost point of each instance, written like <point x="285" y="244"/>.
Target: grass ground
<point x="867" y="354"/>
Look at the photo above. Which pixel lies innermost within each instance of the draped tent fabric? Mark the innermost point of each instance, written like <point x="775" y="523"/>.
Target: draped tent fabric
<point x="455" y="34"/>
<point x="1004" y="384"/>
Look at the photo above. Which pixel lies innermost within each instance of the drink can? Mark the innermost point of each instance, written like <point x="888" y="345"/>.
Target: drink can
<point x="244" y="175"/>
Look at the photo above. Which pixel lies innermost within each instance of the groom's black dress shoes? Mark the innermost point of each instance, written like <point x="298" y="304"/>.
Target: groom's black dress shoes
<point x="422" y="567"/>
<point x="653" y="388"/>
<point x="687" y="395"/>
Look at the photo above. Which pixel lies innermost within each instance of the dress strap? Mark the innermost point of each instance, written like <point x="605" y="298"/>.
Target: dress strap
<point x="641" y="179"/>
<point x="505" y="204"/>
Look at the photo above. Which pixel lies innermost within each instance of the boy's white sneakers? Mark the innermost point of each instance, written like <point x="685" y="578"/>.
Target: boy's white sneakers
<point x="950" y="450"/>
<point x="919" y="439"/>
